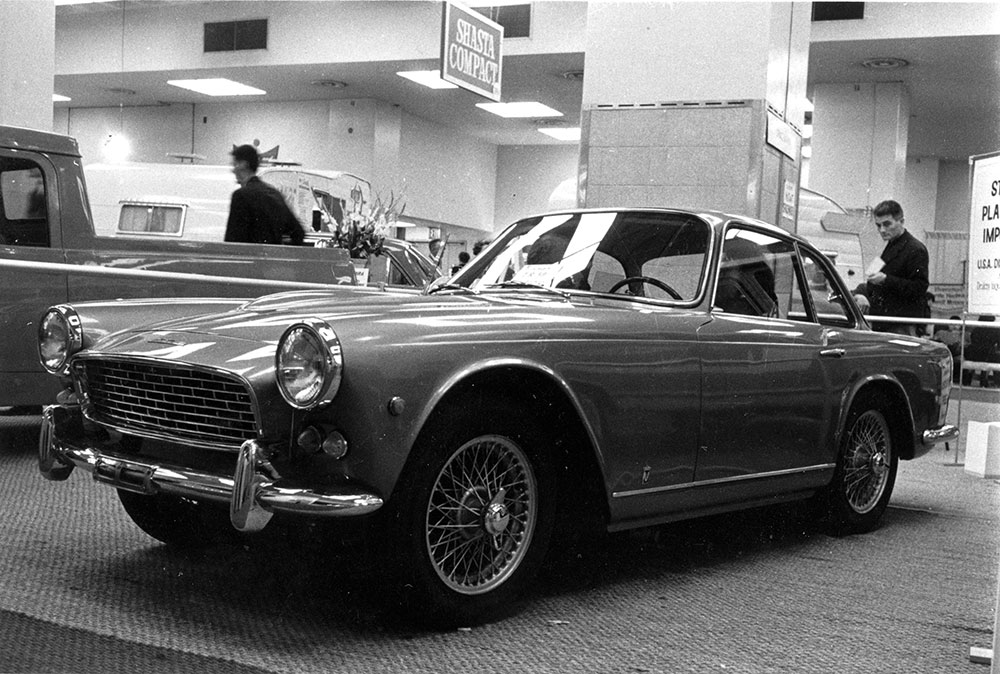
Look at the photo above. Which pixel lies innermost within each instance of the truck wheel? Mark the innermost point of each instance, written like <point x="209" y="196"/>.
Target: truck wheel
<point x="866" y="470"/>
<point x="470" y="523"/>
<point x="178" y="522"/>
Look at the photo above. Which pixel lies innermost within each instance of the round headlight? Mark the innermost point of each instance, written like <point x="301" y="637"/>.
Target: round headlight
<point x="60" y="335"/>
<point x="308" y="364"/>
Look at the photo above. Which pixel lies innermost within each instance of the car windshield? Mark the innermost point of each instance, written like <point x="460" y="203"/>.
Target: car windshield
<point x="657" y="255"/>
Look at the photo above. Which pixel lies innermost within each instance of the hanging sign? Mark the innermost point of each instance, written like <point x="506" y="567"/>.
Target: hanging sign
<point x="984" y="235"/>
<point x="471" y="51"/>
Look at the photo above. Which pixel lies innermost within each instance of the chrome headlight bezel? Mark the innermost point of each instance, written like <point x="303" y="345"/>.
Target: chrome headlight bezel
<point x="60" y="336"/>
<point x="308" y="364"/>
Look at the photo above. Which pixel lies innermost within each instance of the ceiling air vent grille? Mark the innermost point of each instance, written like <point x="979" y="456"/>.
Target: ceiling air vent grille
<point x="838" y="11"/>
<point x="236" y="35"/>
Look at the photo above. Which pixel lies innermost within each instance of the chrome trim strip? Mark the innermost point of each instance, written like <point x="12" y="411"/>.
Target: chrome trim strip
<point x="98" y="270"/>
<point x="935" y="436"/>
<point x="724" y="480"/>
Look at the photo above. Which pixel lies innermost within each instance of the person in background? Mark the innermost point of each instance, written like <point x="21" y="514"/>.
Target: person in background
<point x="899" y="287"/>
<point x="463" y="259"/>
<point x="258" y="213"/>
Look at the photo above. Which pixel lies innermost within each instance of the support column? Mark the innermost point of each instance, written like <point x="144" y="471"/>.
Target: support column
<point x="695" y="104"/>
<point x="859" y="142"/>
<point x="27" y="62"/>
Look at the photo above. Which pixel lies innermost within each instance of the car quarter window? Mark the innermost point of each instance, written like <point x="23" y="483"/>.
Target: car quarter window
<point x="23" y="203"/>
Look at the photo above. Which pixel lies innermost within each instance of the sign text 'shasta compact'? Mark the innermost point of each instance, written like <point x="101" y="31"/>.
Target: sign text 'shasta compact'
<point x="471" y="51"/>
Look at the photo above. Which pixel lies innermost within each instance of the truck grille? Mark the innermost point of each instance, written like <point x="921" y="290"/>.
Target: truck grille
<point x="169" y="401"/>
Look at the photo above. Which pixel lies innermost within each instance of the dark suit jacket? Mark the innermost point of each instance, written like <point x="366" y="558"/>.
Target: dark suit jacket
<point x="904" y="292"/>
<point x="258" y="214"/>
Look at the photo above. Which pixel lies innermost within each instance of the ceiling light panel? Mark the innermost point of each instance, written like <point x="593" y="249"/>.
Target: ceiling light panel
<point x="565" y="133"/>
<point x="217" y="87"/>
<point x="520" y="109"/>
<point x="428" y="78"/>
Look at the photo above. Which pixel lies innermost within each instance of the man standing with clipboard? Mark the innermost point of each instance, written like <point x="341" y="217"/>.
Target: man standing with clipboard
<point x="897" y="280"/>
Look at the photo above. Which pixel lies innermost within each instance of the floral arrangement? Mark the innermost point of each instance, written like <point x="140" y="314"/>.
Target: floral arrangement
<point x="364" y="230"/>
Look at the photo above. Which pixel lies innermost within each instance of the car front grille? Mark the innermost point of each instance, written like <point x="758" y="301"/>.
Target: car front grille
<point x="169" y="401"/>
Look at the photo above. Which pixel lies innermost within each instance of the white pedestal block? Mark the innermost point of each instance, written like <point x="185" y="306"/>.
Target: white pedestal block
<point x="982" y="449"/>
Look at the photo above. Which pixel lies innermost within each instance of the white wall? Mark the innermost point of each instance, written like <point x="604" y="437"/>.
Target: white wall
<point x="919" y="198"/>
<point x="953" y="203"/>
<point x="444" y="177"/>
<point x="447" y="177"/>
<point x="534" y="178"/>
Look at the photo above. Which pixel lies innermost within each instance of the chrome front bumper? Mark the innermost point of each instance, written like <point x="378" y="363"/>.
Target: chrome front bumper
<point x="252" y="492"/>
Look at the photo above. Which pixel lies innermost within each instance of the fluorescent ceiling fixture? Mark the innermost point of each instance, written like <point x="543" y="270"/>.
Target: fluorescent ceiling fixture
<point x="428" y="78"/>
<point x="217" y="87"/>
<point x="520" y="109"/>
<point x="807" y="151"/>
<point x="807" y="131"/>
<point x="571" y="133"/>
<point x="59" y="98"/>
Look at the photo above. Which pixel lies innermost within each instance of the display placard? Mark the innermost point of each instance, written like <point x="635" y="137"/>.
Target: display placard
<point x="984" y="235"/>
<point x="471" y="51"/>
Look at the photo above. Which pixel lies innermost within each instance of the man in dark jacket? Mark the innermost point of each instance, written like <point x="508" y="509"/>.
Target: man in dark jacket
<point x="258" y="213"/>
<point x="899" y="288"/>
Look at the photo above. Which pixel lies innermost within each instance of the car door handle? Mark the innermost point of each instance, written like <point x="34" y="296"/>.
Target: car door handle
<point x="832" y="353"/>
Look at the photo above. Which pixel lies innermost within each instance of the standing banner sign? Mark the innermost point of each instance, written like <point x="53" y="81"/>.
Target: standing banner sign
<point x="984" y="235"/>
<point x="471" y="51"/>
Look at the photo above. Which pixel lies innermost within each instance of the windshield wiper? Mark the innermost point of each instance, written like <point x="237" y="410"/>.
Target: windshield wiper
<point x="531" y="286"/>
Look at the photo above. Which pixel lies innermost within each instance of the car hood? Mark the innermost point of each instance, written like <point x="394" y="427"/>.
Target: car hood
<point x="360" y="317"/>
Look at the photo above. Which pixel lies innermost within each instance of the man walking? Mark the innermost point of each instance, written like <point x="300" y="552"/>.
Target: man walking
<point x="258" y="213"/>
<point x="898" y="283"/>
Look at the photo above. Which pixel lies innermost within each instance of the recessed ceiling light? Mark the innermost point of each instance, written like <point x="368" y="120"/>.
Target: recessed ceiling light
<point x="59" y="98"/>
<point x="565" y="133"/>
<point x="217" y="87"/>
<point x="332" y="84"/>
<point x="428" y="78"/>
<point x="520" y="109"/>
<point x="885" y="63"/>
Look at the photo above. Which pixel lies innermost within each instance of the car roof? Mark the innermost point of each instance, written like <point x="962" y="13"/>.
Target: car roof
<point x="22" y="138"/>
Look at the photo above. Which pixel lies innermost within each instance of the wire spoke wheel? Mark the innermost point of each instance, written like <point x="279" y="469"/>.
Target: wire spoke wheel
<point x="867" y="462"/>
<point x="481" y="515"/>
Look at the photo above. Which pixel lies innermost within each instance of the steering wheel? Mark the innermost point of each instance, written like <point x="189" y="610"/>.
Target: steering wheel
<point x="651" y="281"/>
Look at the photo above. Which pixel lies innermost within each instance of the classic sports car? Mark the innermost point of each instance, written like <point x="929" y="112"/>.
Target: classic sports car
<point x="609" y="368"/>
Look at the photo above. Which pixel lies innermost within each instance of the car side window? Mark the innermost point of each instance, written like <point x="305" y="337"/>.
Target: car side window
<point x="23" y="203"/>
<point x="756" y="275"/>
<point x="824" y="294"/>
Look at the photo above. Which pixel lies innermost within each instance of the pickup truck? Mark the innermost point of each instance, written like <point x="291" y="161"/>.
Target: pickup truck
<point x="51" y="252"/>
